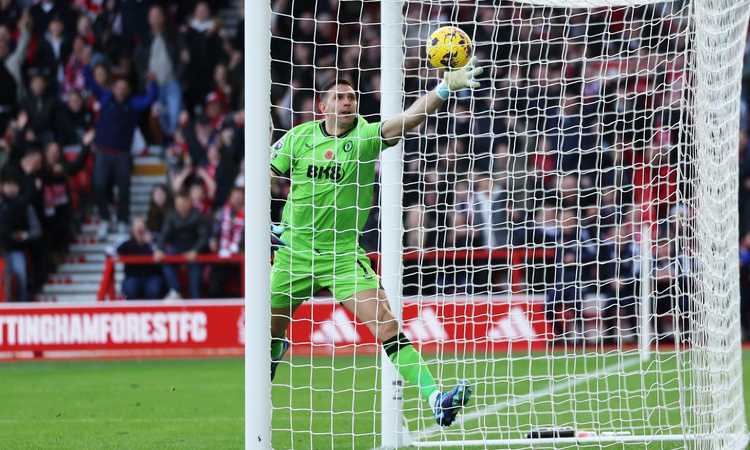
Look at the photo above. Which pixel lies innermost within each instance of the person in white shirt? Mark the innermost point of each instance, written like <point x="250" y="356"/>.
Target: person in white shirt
<point x="159" y="53"/>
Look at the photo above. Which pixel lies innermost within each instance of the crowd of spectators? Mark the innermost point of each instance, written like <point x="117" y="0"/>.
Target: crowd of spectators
<point x="577" y="124"/>
<point x="86" y="86"/>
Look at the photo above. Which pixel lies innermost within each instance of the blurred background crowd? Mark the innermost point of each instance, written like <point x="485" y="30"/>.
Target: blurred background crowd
<point x="572" y="145"/>
<point x="85" y="87"/>
<point x="578" y="139"/>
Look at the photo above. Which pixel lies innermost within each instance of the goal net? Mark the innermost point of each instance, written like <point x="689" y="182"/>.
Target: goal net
<point x="563" y="236"/>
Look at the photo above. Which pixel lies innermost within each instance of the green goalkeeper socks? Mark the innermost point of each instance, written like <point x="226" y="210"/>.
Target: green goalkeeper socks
<point x="410" y="364"/>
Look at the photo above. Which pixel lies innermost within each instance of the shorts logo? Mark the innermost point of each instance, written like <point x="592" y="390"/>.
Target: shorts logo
<point x="348" y="146"/>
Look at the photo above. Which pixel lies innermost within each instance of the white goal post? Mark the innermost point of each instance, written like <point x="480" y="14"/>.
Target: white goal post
<point x="565" y="236"/>
<point x="257" y="254"/>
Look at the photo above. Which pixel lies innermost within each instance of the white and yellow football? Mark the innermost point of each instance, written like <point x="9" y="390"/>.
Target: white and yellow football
<point x="449" y="48"/>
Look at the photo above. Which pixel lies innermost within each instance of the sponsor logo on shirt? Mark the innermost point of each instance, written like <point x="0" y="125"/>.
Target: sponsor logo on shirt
<point x="332" y="172"/>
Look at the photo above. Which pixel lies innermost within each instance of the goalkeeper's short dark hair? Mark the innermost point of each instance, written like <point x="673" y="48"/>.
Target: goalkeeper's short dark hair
<point x="337" y="81"/>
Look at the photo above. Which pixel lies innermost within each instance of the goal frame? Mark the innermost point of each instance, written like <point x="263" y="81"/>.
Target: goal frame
<point x="258" y="405"/>
<point x="257" y="291"/>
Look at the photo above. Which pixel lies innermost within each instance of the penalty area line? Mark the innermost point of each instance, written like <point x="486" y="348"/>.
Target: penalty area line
<point x="530" y="397"/>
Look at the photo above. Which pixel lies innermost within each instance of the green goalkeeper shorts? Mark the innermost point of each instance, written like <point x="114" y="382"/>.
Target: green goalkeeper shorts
<point x="297" y="275"/>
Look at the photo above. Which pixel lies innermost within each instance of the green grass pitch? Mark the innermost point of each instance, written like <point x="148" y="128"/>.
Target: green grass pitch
<point x="198" y="404"/>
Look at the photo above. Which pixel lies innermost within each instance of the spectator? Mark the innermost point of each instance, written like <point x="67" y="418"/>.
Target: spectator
<point x="544" y="229"/>
<point x="159" y="206"/>
<point x="10" y="13"/>
<point x="457" y="277"/>
<point x="671" y="305"/>
<point x="489" y="212"/>
<point x="223" y="90"/>
<point x="32" y="192"/>
<point x="133" y="16"/>
<point x="214" y="111"/>
<point x="199" y="136"/>
<point x="43" y="12"/>
<point x="574" y="256"/>
<point x="142" y="281"/>
<point x="30" y="166"/>
<point x="118" y="118"/>
<point x="213" y="158"/>
<point x="11" y="84"/>
<point x="101" y="76"/>
<point x="416" y="226"/>
<point x="39" y="106"/>
<point x="185" y="233"/>
<point x="72" y="119"/>
<point x="52" y="53"/>
<point x="228" y="239"/>
<point x="619" y="272"/>
<point x="180" y="169"/>
<point x="58" y="209"/>
<point x="73" y="79"/>
<point x="19" y="227"/>
<point x="108" y="30"/>
<point x="84" y="30"/>
<point x="230" y="150"/>
<point x="159" y="53"/>
<point x="200" y="194"/>
<point x="202" y="54"/>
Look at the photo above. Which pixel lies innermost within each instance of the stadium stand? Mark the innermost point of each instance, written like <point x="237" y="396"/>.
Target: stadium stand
<point x="48" y="49"/>
<point x="468" y="179"/>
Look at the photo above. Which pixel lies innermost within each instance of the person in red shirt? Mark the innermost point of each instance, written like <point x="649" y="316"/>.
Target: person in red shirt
<point x="227" y="240"/>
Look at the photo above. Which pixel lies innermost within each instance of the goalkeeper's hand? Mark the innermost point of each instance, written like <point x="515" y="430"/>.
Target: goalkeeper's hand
<point x="276" y="241"/>
<point x="456" y="80"/>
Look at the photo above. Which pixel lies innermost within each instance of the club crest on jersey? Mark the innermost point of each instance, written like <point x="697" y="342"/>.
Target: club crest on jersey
<point x="348" y="146"/>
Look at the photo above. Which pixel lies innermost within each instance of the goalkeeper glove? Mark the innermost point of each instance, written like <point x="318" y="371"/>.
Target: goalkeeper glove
<point x="276" y="241"/>
<point x="456" y="80"/>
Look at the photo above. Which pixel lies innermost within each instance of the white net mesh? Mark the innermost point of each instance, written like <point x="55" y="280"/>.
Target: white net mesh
<point x="602" y="130"/>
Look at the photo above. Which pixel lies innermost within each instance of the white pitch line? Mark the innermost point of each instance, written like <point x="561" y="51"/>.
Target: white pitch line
<point x="528" y="398"/>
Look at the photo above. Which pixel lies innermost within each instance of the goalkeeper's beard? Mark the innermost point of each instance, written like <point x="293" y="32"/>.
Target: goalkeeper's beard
<point x="344" y="122"/>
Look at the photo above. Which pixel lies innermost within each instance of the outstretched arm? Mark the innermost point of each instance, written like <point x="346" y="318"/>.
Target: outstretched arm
<point x="92" y="85"/>
<point x="394" y="128"/>
<point x="141" y="102"/>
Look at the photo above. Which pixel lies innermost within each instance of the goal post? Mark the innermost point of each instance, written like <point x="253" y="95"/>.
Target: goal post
<point x="564" y="236"/>
<point x="257" y="313"/>
<point x="720" y="35"/>
<point x="392" y="84"/>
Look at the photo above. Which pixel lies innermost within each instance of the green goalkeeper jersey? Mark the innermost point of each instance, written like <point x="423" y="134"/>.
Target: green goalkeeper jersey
<point x="332" y="183"/>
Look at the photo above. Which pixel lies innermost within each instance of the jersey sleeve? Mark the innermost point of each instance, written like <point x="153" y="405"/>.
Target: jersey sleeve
<point x="281" y="155"/>
<point x="372" y="138"/>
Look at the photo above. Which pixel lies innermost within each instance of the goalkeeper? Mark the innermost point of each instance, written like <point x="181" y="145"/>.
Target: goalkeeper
<point x="331" y="165"/>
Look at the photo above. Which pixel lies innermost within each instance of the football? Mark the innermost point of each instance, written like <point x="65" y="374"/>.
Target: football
<point x="449" y="48"/>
